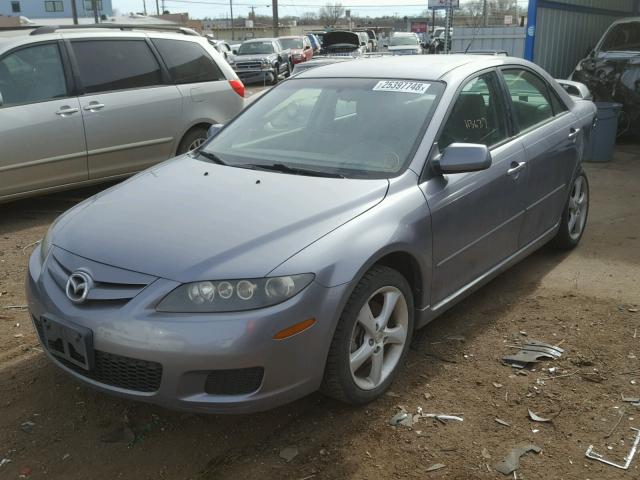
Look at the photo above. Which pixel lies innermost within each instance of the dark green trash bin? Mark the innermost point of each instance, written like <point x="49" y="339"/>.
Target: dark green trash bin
<point x="603" y="137"/>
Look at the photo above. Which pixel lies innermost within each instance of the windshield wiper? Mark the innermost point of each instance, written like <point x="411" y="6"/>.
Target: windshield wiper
<point x="282" y="168"/>
<point x="212" y="156"/>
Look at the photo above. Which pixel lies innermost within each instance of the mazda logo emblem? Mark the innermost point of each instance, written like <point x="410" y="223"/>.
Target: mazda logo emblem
<point x="78" y="286"/>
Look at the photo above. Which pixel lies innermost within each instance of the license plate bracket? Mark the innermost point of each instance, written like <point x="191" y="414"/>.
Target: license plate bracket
<point x="69" y="341"/>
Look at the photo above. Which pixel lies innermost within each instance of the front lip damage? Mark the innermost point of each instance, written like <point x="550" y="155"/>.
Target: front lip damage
<point x="614" y="77"/>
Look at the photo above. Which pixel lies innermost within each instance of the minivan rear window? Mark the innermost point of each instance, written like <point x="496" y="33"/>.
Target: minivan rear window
<point x="187" y="61"/>
<point x="107" y="65"/>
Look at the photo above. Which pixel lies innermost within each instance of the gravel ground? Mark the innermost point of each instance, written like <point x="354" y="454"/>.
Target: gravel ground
<point x="586" y="300"/>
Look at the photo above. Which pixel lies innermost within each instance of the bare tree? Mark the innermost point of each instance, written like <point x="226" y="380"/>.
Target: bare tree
<point x="331" y="13"/>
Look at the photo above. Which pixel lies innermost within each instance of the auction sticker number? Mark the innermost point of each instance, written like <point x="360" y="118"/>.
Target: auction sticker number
<point x="401" y="86"/>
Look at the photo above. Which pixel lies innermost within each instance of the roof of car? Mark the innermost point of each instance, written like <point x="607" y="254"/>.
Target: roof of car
<point x="20" y="37"/>
<point x="293" y="36"/>
<point x="426" y="67"/>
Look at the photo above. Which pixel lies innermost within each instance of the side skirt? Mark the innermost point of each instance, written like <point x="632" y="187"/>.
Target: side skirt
<point x="426" y="315"/>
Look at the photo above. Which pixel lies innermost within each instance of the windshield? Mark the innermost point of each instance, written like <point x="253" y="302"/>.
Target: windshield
<point x="624" y="36"/>
<point x="403" y="40"/>
<point x="255" y="48"/>
<point x="295" y="43"/>
<point x="362" y="128"/>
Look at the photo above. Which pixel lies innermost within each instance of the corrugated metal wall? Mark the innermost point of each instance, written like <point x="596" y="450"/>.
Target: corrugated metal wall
<point x="509" y="39"/>
<point x="563" y="37"/>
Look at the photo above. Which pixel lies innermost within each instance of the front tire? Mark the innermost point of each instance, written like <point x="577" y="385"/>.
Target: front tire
<point x="372" y="338"/>
<point x="574" y="215"/>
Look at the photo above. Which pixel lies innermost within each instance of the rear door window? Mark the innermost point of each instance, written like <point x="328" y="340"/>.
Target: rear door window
<point x="108" y="65"/>
<point x="187" y="61"/>
<point x="530" y="96"/>
<point x="32" y="74"/>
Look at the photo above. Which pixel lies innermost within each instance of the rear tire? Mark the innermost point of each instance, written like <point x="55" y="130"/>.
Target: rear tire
<point x="371" y="339"/>
<point x="192" y="139"/>
<point x="574" y="215"/>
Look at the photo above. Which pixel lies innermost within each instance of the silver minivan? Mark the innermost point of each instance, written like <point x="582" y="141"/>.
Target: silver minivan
<point x="81" y="106"/>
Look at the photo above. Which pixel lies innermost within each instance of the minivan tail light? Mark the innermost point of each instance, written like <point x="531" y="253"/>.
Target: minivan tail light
<point x="237" y="86"/>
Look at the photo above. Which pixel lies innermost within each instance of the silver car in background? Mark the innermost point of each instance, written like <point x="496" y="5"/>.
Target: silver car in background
<point x="301" y="247"/>
<point x="85" y="105"/>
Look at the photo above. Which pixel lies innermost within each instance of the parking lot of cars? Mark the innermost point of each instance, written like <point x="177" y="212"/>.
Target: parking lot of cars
<point x="295" y="249"/>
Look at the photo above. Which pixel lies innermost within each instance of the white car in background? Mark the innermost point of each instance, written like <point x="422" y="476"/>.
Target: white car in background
<point x="405" y="43"/>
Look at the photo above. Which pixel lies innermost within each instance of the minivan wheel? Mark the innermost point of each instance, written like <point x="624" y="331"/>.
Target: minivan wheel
<point x="192" y="140"/>
<point x="372" y="338"/>
<point x="574" y="216"/>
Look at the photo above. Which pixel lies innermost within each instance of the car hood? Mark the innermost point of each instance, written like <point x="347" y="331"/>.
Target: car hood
<point x="403" y="47"/>
<point x="245" y="58"/>
<point x="334" y="38"/>
<point x="188" y="220"/>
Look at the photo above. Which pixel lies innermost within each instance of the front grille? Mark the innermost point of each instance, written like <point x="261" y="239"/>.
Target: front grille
<point x="248" y="65"/>
<point x="112" y="287"/>
<point x="234" y="382"/>
<point x="121" y="372"/>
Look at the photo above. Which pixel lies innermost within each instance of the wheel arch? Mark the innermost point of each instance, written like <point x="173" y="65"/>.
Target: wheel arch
<point x="201" y="123"/>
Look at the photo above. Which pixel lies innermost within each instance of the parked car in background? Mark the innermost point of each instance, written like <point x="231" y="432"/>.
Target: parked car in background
<point x="235" y="47"/>
<point x="611" y="71"/>
<point x="342" y="42"/>
<point x="87" y="105"/>
<point x="302" y="246"/>
<point x="319" y="34"/>
<point x="373" y="40"/>
<point x="315" y="42"/>
<point x="299" y="47"/>
<point x="405" y="43"/>
<point x="223" y="48"/>
<point x="262" y="60"/>
<point x="364" y="41"/>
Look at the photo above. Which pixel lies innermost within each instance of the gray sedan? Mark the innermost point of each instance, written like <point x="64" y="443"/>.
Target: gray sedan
<point x="301" y="247"/>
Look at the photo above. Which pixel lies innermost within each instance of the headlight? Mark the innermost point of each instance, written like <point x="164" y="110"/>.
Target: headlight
<point x="45" y="245"/>
<point x="233" y="295"/>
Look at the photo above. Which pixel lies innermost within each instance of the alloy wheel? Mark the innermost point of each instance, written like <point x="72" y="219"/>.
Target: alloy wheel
<point x="196" y="143"/>
<point x="378" y="337"/>
<point x="578" y="204"/>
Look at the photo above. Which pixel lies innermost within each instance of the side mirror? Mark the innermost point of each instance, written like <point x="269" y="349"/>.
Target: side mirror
<point x="214" y="129"/>
<point x="463" y="157"/>
<point x="307" y="47"/>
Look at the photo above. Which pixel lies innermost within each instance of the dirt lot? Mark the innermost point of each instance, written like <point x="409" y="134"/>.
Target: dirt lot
<point x="586" y="301"/>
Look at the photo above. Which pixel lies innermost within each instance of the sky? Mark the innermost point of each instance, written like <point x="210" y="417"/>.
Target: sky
<point x="220" y="8"/>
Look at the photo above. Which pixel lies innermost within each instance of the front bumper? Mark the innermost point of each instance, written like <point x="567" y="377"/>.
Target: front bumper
<point x="189" y="347"/>
<point x="255" y="76"/>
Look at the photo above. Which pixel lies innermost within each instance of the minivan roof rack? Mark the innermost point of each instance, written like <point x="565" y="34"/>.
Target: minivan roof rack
<point x="115" y="26"/>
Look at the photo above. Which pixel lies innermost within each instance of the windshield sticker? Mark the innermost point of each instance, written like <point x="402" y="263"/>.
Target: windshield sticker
<point x="401" y="86"/>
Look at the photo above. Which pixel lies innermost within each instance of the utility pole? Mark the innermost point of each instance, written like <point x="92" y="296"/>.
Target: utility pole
<point x="276" y="22"/>
<point x="485" y="13"/>
<point x="157" y="8"/>
<point x="164" y="8"/>
<point x="447" y="26"/>
<point x="253" y="13"/>
<point x="231" y="8"/>
<point x="144" y="7"/>
<point x="94" y="6"/>
<point x="74" y="12"/>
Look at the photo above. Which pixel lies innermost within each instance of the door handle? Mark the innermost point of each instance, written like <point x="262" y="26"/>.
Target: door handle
<point x="516" y="167"/>
<point x="573" y="133"/>
<point x="66" y="110"/>
<point x="94" y="106"/>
